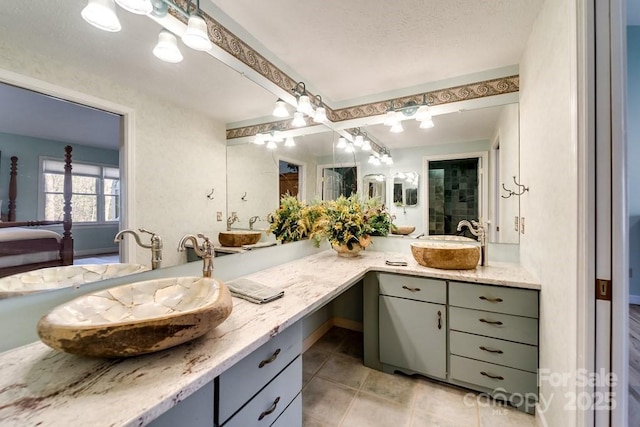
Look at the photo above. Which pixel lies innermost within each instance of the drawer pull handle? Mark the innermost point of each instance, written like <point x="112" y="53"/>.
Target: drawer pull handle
<point x="491" y="322"/>
<point x="493" y="377"/>
<point x="273" y="357"/>
<point x="411" y="289"/>
<point x="439" y="319"/>
<point x="270" y="410"/>
<point x="490" y="350"/>
<point x="489" y="299"/>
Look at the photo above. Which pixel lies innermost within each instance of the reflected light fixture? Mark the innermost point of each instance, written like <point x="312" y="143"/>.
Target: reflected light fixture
<point x="102" y="14"/>
<point x="139" y="7"/>
<point x="366" y="145"/>
<point x="289" y="142"/>
<point x="271" y="145"/>
<point x="320" y="115"/>
<point x="426" y="124"/>
<point x="397" y="127"/>
<point x="167" y="48"/>
<point x="349" y="148"/>
<point x="259" y="139"/>
<point x="196" y="35"/>
<point x="280" y="109"/>
<point x="342" y="142"/>
<point x="298" y="120"/>
<point x="358" y="141"/>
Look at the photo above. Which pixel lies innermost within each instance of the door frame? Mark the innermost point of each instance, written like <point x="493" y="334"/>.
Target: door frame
<point x="302" y="175"/>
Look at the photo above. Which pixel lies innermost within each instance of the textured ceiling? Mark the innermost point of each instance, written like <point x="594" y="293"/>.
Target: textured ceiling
<point x="350" y="49"/>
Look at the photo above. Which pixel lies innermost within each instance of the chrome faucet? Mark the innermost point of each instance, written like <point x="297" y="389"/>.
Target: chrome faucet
<point x="252" y="221"/>
<point x="233" y="218"/>
<point x="206" y="252"/>
<point x="155" y="245"/>
<point x="477" y="230"/>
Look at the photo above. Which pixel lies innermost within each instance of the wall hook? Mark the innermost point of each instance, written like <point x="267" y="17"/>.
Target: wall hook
<point x="521" y="190"/>
<point x="244" y="197"/>
<point x="210" y="195"/>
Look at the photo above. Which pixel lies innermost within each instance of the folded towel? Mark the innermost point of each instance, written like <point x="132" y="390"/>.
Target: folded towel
<point x="396" y="261"/>
<point x="253" y="292"/>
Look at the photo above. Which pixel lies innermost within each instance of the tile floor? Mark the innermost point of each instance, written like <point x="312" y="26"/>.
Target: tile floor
<point x="340" y="391"/>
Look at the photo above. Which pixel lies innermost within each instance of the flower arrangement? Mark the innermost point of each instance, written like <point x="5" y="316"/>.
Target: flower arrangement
<point x="345" y="222"/>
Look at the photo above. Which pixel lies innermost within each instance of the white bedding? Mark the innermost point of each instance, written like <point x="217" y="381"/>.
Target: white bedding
<point x="20" y="233"/>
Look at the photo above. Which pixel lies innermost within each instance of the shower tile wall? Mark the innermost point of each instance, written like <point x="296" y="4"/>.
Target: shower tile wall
<point x="436" y="201"/>
<point x="459" y="183"/>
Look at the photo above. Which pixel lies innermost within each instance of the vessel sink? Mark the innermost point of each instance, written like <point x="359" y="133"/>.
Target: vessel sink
<point x="137" y="318"/>
<point x="238" y="238"/>
<point x="449" y="254"/>
<point x="449" y="238"/>
<point x="47" y="279"/>
<point x="403" y="229"/>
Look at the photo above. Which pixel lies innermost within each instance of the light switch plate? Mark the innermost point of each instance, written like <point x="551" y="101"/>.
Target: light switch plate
<point x="522" y="225"/>
<point x="516" y="224"/>
<point x="219" y="216"/>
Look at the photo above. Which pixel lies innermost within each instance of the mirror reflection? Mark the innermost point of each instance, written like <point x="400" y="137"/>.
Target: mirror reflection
<point x="375" y="185"/>
<point x="405" y="189"/>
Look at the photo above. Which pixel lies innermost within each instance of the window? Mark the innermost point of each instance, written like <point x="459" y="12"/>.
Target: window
<point x="96" y="191"/>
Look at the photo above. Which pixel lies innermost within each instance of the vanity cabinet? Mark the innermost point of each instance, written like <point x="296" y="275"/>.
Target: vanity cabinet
<point x="196" y="410"/>
<point x="494" y="341"/>
<point x="413" y="325"/>
<point x="259" y="388"/>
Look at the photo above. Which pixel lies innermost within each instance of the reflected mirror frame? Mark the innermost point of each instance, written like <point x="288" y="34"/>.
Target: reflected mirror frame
<point x="406" y="187"/>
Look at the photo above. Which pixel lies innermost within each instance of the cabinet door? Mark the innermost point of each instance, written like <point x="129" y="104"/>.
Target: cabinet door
<point x="413" y="335"/>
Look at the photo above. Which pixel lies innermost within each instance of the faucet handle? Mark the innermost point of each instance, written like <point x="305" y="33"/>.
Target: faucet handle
<point x="144" y="230"/>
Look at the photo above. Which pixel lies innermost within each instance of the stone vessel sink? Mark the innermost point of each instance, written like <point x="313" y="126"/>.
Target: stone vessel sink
<point x="47" y="279"/>
<point x="403" y="229"/>
<point x="238" y="238"/>
<point x="447" y="254"/>
<point x="137" y="318"/>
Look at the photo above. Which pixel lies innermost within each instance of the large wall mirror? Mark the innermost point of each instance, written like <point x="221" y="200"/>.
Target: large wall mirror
<point x="482" y="144"/>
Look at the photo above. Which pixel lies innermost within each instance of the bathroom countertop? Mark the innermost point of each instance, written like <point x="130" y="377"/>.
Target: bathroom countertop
<point x="40" y="386"/>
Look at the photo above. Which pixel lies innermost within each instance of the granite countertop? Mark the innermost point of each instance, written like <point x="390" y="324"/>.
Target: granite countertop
<point x="39" y="386"/>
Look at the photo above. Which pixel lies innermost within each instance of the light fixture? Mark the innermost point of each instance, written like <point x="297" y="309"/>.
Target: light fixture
<point x="397" y="127"/>
<point x="259" y="139"/>
<point x="271" y="145"/>
<point x="384" y="157"/>
<point x="366" y="145"/>
<point x="358" y="141"/>
<point x="390" y="118"/>
<point x="196" y="35"/>
<point x="280" y="109"/>
<point x="304" y="105"/>
<point x="423" y="113"/>
<point x="139" y="7"/>
<point x="102" y="14"/>
<point x="276" y="136"/>
<point x="167" y="48"/>
<point x="298" y="120"/>
<point x="349" y="148"/>
<point x="320" y="115"/>
<point x="426" y="124"/>
<point x="289" y="142"/>
<point x="342" y="142"/>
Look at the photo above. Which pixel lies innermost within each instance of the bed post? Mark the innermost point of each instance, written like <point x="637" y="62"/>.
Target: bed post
<point x="66" y="249"/>
<point x="13" y="189"/>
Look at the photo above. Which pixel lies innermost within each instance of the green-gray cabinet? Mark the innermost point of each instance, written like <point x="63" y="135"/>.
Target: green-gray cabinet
<point x="413" y="325"/>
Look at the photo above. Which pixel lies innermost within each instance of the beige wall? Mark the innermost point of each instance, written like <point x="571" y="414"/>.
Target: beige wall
<point x="179" y="154"/>
<point x="548" y="165"/>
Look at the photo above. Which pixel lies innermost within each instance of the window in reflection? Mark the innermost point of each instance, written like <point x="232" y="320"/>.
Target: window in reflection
<point x="290" y="174"/>
<point x="339" y="181"/>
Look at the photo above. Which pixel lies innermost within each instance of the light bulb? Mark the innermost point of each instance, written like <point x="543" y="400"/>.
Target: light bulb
<point x="139" y="7"/>
<point x="371" y="158"/>
<point x="426" y="124"/>
<point x="358" y="141"/>
<point x="389" y="160"/>
<point x="271" y="145"/>
<point x="304" y="105"/>
<point x="290" y="142"/>
<point x="196" y="36"/>
<point x="390" y="118"/>
<point x="366" y="145"/>
<point x="102" y="14"/>
<point x="281" y="109"/>
<point x="259" y="139"/>
<point x="423" y="113"/>
<point x="298" y="120"/>
<point x="342" y="142"/>
<point x="320" y="116"/>
<point x="167" y="48"/>
<point x="396" y="127"/>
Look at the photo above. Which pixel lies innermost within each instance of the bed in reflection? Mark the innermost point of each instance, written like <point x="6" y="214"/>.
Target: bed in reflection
<point x="23" y="245"/>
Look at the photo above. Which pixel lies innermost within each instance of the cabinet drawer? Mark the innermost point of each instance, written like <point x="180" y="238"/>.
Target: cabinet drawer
<point x="416" y="288"/>
<point x="267" y="405"/>
<point x="493" y="376"/>
<point x="243" y="380"/>
<point x="507" y="353"/>
<point x="521" y="302"/>
<point x="503" y="326"/>
<point x="292" y="416"/>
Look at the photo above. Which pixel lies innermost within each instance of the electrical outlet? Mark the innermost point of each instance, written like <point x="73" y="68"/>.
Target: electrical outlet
<point x="234" y="213"/>
<point x="516" y="224"/>
<point x="219" y="216"/>
<point x="522" y="225"/>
